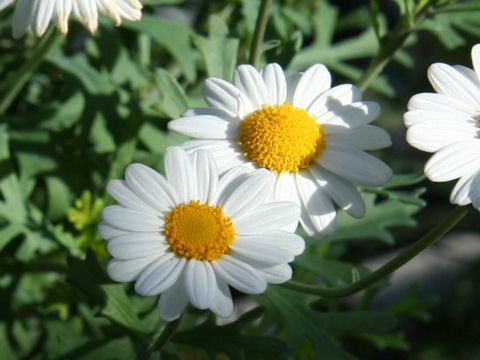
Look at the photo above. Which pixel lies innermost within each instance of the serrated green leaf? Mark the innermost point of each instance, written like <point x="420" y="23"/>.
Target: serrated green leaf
<point x="93" y="81"/>
<point x="13" y="206"/>
<point x="229" y="339"/>
<point x="374" y="225"/>
<point x="58" y="197"/>
<point x="394" y="341"/>
<point x="412" y="306"/>
<point x="219" y="52"/>
<point x="334" y="273"/>
<point x="174" y="36"/>
<point x="119" y="309"/>
<point x="173" y="101"/>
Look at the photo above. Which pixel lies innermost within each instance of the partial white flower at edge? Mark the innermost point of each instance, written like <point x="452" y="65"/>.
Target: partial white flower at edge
<point x="446" y="123"/>
<point x="191" y="235"/>
<point x="311" y="137"/>
<point x="36" y="15"/>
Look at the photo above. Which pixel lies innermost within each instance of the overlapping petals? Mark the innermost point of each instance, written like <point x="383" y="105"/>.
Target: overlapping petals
<point x="36" y="15"/>
<point x="447" y="124"/>
<point x="259" y="254"/>
<point x="344" y="120"/>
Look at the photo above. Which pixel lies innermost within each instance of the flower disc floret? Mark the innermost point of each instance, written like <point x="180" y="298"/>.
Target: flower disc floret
<point x="281" y="138"/>
<point x="199" y="231"/>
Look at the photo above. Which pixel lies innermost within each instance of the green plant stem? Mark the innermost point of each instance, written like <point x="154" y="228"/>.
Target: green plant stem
<point x="437" y="232"/>
<point x="258" y="35"/>
<point x="12" y="86"/>
<point x="389" y="44"/>
<point x="165" y="335"/>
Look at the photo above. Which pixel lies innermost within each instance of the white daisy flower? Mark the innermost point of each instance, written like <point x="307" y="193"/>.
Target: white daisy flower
<point x="447" y="123"/>
<point x="310" y="136"/>
<point x="36" y="15"/>
<point x="191" y="235"/>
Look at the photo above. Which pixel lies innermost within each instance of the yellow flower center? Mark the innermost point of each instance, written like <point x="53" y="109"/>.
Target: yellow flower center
<point x="281" y="138"/>
<point x="199" y="231"/>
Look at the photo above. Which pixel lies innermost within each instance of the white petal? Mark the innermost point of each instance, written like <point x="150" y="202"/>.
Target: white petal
<point x="342" y="192"/>
<point x="61" y="15"/>
<point x="318" y="217"/>
<point x="445" y="79"/>
<point x="354" y="165"/>
<point x="334" y="98"/>
<point x="239" y="275"/>
<point x="476" y="59"/>
<point x="42" y="17"/>
<point x="250" y="193"/>
<point x="131" y="220"/>
<point x="439" y="103"/>
<point x="223" y="304"/>
<point x="229" y="182"/>
<point x="200" y="283"/>
<point x="178" y="167"/>
<point x="276" y="274"/>
<point x="248" y="80"/>
<point x="433" y="135"/>
<point x="314" y="81"/>
<point x="137" y="244"/>
<point x="454" y="161"/>
<point x="349" y="116"/>
<point x="87" y="13"/>
<point x="271" y="248"/>
<point x="151" y="187"/>
<point x="467" y="189"/>
<point x="128" y="270"/>
<point x="367" y="137"/>
<point x="275" y="83"/>
<point x="206" y="174"/>
<point x="22" y="17"/>
<point x="107" y="232"/>
<point x="266" y="217"/>
<point x="173" y="301"/>
<point x="286" y="190"/>
<point x="5" y="3"/>
<point x="121" y="192"/>
<point x="204" y="127"/>
<point x="222" y="95"/>
<point x="160" y="275"/>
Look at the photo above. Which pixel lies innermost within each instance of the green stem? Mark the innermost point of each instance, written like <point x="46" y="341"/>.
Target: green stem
<point x="437" y="232"/>
<point x="165" y="335"/>
<point x="12" y="86"/>
<point x="258" y="35"/>
<point x="389" y="44"/>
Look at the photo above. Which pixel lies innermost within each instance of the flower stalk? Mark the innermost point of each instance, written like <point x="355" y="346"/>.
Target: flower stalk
<point x="433" y="235"/>
<point x="165" y="335"/>
<point x="12" y="86"/>
<point x="259" y="33"/>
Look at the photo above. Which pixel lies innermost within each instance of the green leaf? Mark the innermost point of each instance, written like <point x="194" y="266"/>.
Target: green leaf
<point x="173" y="101"/>
<point x="157" y="140"/>
<point x="410" y="305"/>
<point x="305" y="323"/>
<point x="229" y="339"/>
<point x="100" y="136"/>
<point x="5" y="349"/>
<point x="58" y="197"/>
<point x="94" y="82"/>
<point x="219" y="52"/>
<point x="334" y="273"/>
<point x="13" y="206"/>
<point x="376" y="222"/>
<point x="394" y="341"/>
<point x="174" y="36"/>
<point x="118" y="308"/>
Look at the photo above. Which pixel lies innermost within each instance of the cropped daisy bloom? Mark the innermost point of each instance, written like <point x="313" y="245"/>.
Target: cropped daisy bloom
<point x="310" y="136"/>
<point x="447" y="123"/>
<point x="36" y="15"/>
<point x="191" y="235"/>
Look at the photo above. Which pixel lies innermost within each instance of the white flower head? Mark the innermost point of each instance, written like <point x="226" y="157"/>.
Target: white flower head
<point x="310" y="136"/>
<point x="191" y="235"/>
<point x="36" y="15"/>
<point x="447" y="123"/>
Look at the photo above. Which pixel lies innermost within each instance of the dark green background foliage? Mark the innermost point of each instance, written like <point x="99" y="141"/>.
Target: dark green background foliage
<point x="98" y="103"/>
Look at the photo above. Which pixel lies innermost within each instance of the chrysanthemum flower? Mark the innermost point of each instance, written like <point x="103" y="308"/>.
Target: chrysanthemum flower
<point x="37" y="14"/>
<point x="310" y="136"/>
<point x="447" y="123"/>
<point x="192" y="235"/>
